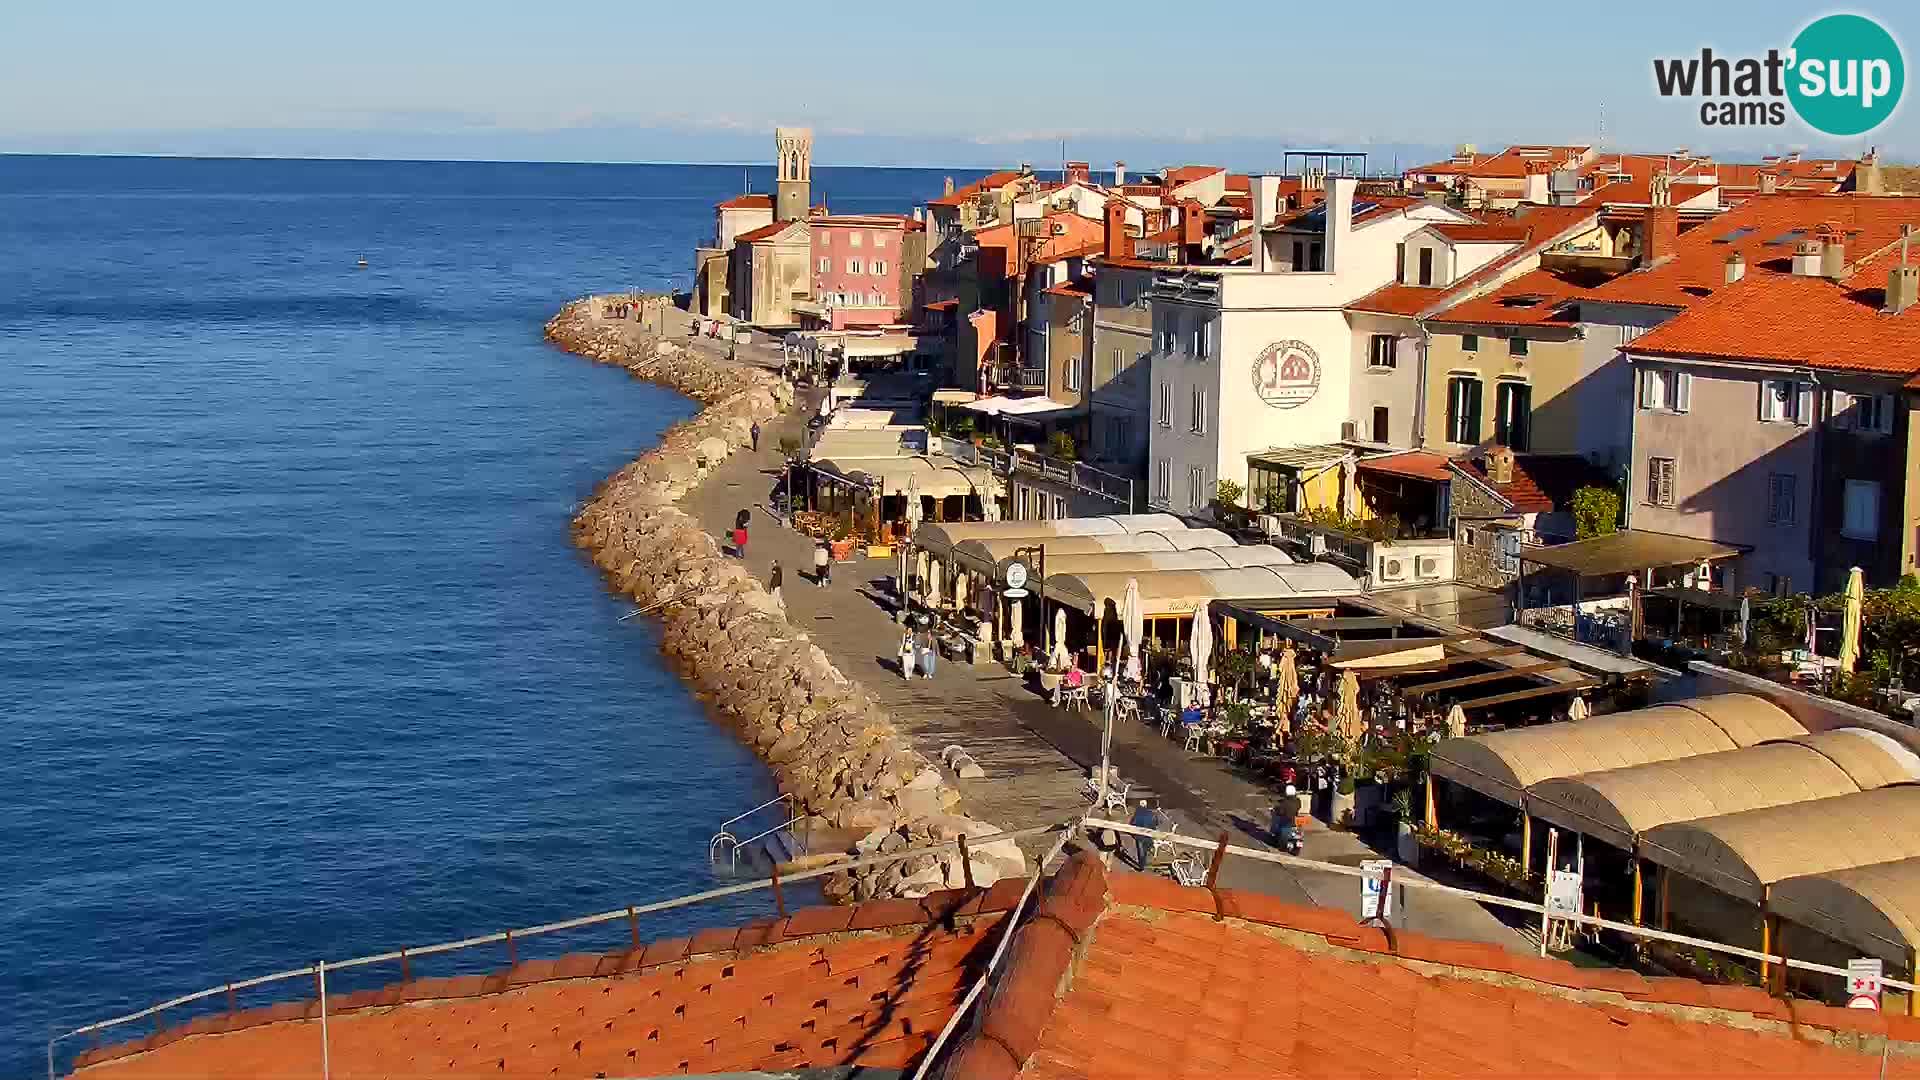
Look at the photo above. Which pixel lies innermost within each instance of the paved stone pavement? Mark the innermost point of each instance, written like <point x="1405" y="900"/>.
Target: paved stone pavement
<point x="1036" y="757"/>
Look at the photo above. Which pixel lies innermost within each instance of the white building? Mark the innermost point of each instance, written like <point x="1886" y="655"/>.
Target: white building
<point x="1250" y="358"/>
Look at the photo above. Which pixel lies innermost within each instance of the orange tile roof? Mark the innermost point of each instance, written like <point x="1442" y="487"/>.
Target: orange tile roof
<point x="1535" y="298"/>
<point x="989" y="182"/>
<point x="1121" y="975"/>
<point x="1415" y="464"/>
<point x="1240" y="182"/>
<point x="1508" y="164"/>
<point x="746" y="202"/>
<point x="1542" y="226"/>
<point x="1513" y="229"/>
<point x="1867" y="222"/>
<point x="1542" y="483"/>
<point x="1639" y="192"/>
<point x="1779" y="318"/>
<point x="1187" y="174"/>
<point x="765" y="232"/>
<point x="868" y="985"/>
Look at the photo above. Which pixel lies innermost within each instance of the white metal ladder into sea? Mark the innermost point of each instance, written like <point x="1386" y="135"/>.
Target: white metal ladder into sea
<point x="774" y="846"/>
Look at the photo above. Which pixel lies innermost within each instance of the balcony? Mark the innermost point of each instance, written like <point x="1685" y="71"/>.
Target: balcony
<point x="1074" y="474"/>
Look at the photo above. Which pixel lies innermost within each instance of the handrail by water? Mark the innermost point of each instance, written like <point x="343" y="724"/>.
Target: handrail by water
<point x="629" y="912"/>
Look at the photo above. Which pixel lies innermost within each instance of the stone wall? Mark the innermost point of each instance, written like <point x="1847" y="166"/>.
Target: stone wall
<point x="1476" y="563"/>
<point x="827" y="741"/>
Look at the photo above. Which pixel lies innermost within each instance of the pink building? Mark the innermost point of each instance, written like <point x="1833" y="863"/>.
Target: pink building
<point x="864" y="268"/>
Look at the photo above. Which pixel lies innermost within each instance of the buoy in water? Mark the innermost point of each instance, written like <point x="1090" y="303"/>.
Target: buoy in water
<point x="363" y="264"/>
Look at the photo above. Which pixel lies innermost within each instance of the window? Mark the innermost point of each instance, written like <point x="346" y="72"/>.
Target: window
<point x="879" y="266"/>
<point x="853" y="266"/>
<point x="1380" y="350"/>
<point x="1780" y="584"/>
<point x="1197" y="489"/>
<point x="1426" y="266"/>
<point x="875" y="300"/>
<point x="1664" y="388"/>
<point x="1380" y="424"/>
<point x="1862" y="520"/>
<point x="1202" y="336"/>
<point x="825" y="237"/>
<point x="1868" y="413"/>
<point x="1783" y="401"/>
<point x="1780" y="498"/>
<point x="1163" y="331"/>
<point x="1198" y="402"/>
<point x="1073" y="373"/>
<point x="1513" y="416"/>
<point x="1165" y="417"/>
<point x="1660" y="482"/>
<point x="879" y="240"/>
<point x="855" y="239"/>
<point x="1516" y="346"/>
<point x="1314" y="256"/>
<point x="826" y="265"/>
<point x="1162" y="482"/>
<point x="1059" y="506"/>
<point x="1400" y="263"/>
<point x="1470" y="342"/>
<point x="1463" y="409"/>
<point x="1300" y="255"/>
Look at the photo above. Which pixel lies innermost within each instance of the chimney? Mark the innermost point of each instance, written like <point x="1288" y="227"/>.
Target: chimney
<point x="1339" y="218"/>
<point x="1903" y="288"/>
<point x="1806" y="258"/>
<point x="949" y="188"/>
<point x="1119" y="174"/>
<point x="1661" y="235"/>
<point x="1193" y="222"/>
<point x="1833" y="251"/>
<point x="1769" y="183"/>
<point x="1078" y="172"/>
<point x="1026" y="168"/>
<point x="1736" y="267"/>
<point x="1118" y="245"/>
<point x="1266" y="206"/>
<point x="1536" y="189"/>
<point x="1499" y="466"/>
<point x="1867" y="177"/>
<point x="1660" y="189"/>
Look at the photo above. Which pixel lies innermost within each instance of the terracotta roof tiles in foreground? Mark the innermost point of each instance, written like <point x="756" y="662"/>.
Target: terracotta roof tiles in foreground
<point x="1155" y="980"/>
<point x="869" y="985"/>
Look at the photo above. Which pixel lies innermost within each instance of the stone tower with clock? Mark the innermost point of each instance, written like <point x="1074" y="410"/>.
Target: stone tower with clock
<point x="793" y="173"/>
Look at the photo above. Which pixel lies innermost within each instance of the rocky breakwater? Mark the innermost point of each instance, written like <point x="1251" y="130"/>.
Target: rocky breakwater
<point x="863" y="789"/>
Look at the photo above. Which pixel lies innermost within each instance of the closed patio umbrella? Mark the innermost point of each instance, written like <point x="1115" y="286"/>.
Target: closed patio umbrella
<point x="1850" y="621"/>
<point x="1286" y="686"/>
<point x="1576" y="711"/>
<point x="1200" y="646"/>
<point x="1347" y="717"/>
<point x="1131" y="624"/>
<point x="1457" y="722"/>
<point x="913" y="501"/>
<point x="933" y="585"/>
<point x="1060" y="655"/>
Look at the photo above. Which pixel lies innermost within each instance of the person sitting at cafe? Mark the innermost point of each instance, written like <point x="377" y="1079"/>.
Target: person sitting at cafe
<point x="1075" y="678"/>
<point x="1192" y="715"/>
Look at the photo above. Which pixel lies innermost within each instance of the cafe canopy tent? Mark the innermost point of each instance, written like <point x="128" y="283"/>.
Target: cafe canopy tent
<point x="993" y="555"/>
<point x="1142" y="561"/>
<point x="892" y="476"/>
<point x="1617" y="805"/>
<point x="939" y="539"/>
<point x="1504" y="764"/>
<point x="1874" y="908"/>
<point x="1743" y="854"/>
<point x="860" y="442"/>
<point x="1181" y="592"/>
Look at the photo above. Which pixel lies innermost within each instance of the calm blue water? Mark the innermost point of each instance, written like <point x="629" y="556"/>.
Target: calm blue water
<point x="296" y="658"/>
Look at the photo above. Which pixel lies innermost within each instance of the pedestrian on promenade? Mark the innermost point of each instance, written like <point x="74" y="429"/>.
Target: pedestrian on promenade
<point x="773" y="582"/>
<point x="906" y="655"/>
<point x="1143" y="818"/>
<point x="756" y="436"/>
<point x="740" y="541"/>
<point x="929" y="656"/>
<point x="822" y="565"/>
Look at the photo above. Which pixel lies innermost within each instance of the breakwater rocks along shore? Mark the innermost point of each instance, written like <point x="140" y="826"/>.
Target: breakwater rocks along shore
<point x="829" y="745"/>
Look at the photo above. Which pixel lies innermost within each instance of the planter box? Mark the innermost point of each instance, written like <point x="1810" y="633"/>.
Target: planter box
<point x="1050" y="680"/>
<point x="879" y="551"/>
<point x="842" y="550"/>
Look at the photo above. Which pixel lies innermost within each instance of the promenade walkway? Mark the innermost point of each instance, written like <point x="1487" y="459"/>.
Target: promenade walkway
<point x="1035" y="757"/>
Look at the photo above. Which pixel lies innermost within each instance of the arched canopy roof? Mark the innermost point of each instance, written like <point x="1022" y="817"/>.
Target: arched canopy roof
<point x="1875" y="908"/>
<point x="1504" y="764"/>
<point x="939" y="538"/>
<point x="1180" y="592"/>
<point x="894" y="475"/>
<point x="993" y="554"/>
<point x="1741" y="854"/>
<point x="1616" y="805"/>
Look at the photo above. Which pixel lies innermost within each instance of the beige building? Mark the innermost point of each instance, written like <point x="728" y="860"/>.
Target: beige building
<point x="711" y="264"/>
<point x="769" y="270"/>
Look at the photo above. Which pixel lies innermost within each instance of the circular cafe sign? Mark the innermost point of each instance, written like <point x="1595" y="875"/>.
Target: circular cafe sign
<point x="1286" y="374"/>
<point x="1016" y="575"/>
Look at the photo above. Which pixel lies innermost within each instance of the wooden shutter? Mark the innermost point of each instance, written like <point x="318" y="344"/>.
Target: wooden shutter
<point x="1473" y="410"/>
<point x="1804" y="399"/>
<point x="1682" y="391"/>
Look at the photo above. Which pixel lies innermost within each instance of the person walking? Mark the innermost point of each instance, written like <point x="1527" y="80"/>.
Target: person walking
<point x="1143" y="818"/>
<point x="822" y="565"/>
<point x="755" y="433"/>
<point x="906" y="655"/>
<point x="773" y="582"/>
<point x="740" y="541"/>
<point x="929" y="655"/>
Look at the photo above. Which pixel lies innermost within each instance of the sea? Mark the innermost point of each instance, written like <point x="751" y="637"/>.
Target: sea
<point x="297" y="660"/>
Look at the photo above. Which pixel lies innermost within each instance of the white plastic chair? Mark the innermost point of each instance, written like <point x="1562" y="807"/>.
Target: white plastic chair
<point x="1196" y="739"/>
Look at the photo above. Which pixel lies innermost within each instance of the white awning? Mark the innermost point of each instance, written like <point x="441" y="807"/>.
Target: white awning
<point x="1136" y="552"/>
<point x="856" y="442"/>
<point x="939" y="539"/>
<point x="892" y="476"/>
<point x="1006" y="406"/>
<point x="1176" y="592"/>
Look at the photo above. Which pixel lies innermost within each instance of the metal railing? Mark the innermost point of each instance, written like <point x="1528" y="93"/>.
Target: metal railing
<point x="631" y="913"/>
<point x="1221" y="849"/>
<point x="724" y="842"/>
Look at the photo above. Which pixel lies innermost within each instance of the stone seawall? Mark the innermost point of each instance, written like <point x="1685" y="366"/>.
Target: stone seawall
<point x="827" y="742"/>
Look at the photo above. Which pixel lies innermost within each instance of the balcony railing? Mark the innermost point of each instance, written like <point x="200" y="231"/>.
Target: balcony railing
<point x="1074" y="474"/>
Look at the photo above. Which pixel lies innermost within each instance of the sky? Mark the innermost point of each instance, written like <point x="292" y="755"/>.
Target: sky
<point x="987" y="83"/>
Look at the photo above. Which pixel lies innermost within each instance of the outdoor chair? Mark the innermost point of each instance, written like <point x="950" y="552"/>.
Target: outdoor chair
<point x="1196" y="738"/>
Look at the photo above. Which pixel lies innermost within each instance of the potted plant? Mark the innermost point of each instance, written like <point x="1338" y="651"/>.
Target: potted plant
<point x="1341" y="813"/>
<point x="1019" y="658"/>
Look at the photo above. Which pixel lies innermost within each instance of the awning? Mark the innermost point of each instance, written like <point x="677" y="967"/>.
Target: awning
<point x="1617" y="805"/>
<point x="1411" y="465"/>
<point x="954" y="397"/>
<point x="999" y="405"/>
<point x="1626" y="551"/>
<point x="1178" y="592"/>
<point x="991" y="556"/>
<point x="858" y="442"/>
<point x="1302" y="457"/>
<point x="892" y="476"/>
<point x="938" y="539"/>
<point x="1875" y="908"/>
<point x="1147" y="562"/>
<point x="1741" y="854"/>
<point x="1505" y="764"/>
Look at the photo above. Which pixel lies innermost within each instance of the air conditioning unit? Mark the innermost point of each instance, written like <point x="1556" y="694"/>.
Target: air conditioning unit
<point x="1349" y="430"/>
<point x="1393" y="568"/>
<point x="1426" y="567"/>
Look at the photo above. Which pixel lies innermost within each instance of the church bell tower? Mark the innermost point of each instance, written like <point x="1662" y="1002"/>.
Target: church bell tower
<point x="793" y="172"/>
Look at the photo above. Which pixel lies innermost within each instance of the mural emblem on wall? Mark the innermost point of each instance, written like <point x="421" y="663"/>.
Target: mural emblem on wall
<point x="1286" y="374"/>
